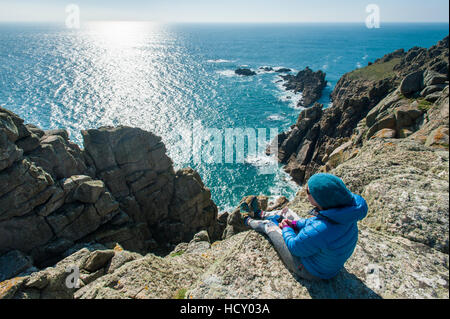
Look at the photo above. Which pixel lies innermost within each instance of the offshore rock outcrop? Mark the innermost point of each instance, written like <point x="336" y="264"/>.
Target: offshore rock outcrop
<point x="120" y="189"/>
<point x="318" y="133"/>
<point x="244" y="72"/>
<point x="308" y="82"/>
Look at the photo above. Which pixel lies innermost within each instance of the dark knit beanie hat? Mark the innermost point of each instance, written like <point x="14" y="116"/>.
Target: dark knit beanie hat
<point x="329" y="191"/>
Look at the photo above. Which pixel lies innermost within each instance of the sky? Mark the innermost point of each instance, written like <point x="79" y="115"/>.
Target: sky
<point x="226" y="10"/>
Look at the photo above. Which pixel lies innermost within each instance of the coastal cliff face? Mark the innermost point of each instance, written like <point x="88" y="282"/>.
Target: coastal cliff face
<point x="419" y="74"/>
<point x="120" y="189"/>
<point x="119" y="201"/>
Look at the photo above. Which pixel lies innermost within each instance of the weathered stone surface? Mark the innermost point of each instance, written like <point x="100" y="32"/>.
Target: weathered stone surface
<point x="89" y="191"/>
<point x="28" y="144"/>
<point x="9" y="133"/>
<point x="24" y="186"/>
<point x="98" y="259"/>
<point x="433" y="97"/>
<point x="58" y="156"/>
<point x="432" y="89"/>
<point x="432" y="78"/>
<point x="405" y="184"/>
<point x="385" y="133"/>
<point x="279" y="203"/>
<point x="192" y="205"/>
<point x="412" y="83"/>
<point x="437" y="116"/>
<point x="225" y="269"/>
<point x="24" y="233"/>
<point x="438" y="137"/>
<point x="122" y="188"/>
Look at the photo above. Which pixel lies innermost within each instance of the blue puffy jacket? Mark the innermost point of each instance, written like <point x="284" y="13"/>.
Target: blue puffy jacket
<point x="324" y="246"/>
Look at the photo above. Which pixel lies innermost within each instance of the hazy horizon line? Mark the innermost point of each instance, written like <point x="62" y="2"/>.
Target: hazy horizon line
<point x="222" y="22"/>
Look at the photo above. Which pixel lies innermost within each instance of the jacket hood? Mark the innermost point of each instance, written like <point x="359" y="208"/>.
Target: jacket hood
<point x="348" y="214"/>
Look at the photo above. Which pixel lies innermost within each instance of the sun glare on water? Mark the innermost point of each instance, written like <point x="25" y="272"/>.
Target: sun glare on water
<point x="122" y="34"/>
<point x="119" y="75"/>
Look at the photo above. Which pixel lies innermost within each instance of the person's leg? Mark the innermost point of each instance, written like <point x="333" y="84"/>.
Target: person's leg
<point x="286" y="213"/>
<point x="274" y="233"/>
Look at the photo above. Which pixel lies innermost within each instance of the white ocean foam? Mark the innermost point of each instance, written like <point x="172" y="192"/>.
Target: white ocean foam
<point x="260" y="160"/>
<point x="365" y="57"/>
<point x="284" y="186"/>
<point x="227" y="73"/>
<point x="61" y="88"/>
<point x="266" y="164"/>
<point x="220" y="61"/>
<point x="275" y="117"/>
<point x="259" y="71"/>
<point x="359" y="65"/>
<point x="287" y="96"/>
<point x="281" y="67"/>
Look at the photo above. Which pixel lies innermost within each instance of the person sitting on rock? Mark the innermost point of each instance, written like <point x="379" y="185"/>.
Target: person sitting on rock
<point x="314" y="248"/>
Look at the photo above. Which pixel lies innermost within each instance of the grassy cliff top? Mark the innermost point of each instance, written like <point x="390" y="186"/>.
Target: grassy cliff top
<point x="375" y="72"/>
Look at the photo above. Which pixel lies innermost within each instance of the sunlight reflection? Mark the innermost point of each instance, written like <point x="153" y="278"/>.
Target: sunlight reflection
<point x="122" y="33"/>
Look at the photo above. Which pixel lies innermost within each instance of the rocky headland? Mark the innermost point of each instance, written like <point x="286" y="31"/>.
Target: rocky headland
<point x="399" y="90"/>
<point x="135" y="228"/>
<point x="308" y="82"/>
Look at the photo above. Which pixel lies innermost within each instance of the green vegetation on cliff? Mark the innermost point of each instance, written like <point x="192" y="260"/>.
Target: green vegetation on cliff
<point x="375" y="72"/>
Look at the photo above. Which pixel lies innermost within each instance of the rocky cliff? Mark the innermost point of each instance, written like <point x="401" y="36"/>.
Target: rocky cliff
<point x="420" y="75"/>
<point x="121" y="188"/>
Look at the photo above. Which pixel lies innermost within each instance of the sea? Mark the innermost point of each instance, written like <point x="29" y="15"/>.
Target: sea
<point x="178" y="81"/>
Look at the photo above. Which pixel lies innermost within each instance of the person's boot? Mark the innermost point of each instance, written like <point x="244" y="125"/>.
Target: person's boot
<point x="251" y="206"/>
<point x="254" y="207"/>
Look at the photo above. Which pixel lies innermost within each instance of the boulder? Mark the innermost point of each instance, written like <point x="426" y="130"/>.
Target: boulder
<point x="279" y="203"/>
<point x="98" y="259"/>
<point x="438" y="137"/>
<point x="89" y="191"/>
<point x="385" y="133"/>
<point x="24" y="187"/>
<point x="407" y="116"/>
<point x="388" y="122"/>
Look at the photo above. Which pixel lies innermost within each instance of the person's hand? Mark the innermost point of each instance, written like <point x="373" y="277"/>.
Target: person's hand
<point x="284" y="223"/>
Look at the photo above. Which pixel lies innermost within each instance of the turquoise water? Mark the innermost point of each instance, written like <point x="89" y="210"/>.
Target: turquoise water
<point x="171" y="78"/>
